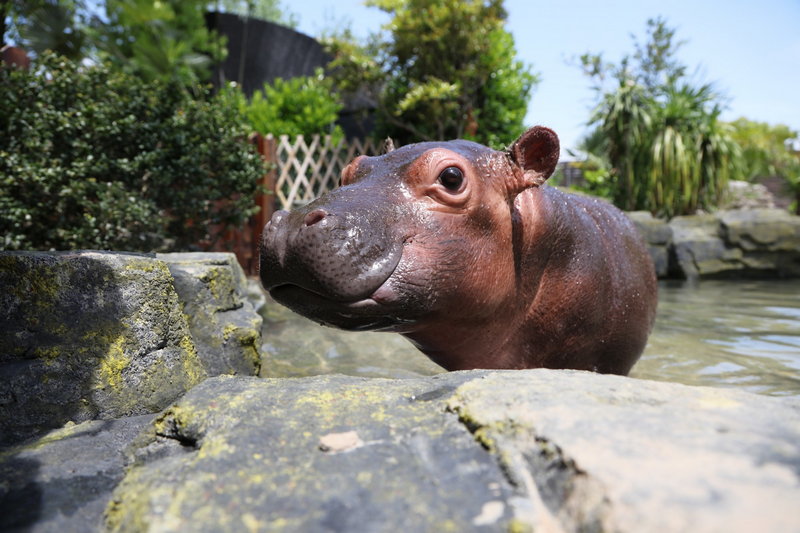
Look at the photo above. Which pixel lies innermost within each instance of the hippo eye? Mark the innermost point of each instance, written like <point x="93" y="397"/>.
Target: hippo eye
<point x="451" y="178"/>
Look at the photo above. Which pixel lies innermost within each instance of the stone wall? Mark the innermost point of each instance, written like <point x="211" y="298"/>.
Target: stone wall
<point x="744" y="243"/>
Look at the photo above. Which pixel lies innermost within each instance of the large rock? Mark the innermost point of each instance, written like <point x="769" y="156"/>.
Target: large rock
<point x="698" y="249"/>
<point x="226" y="329"/>
<point x="62" y="482"/>
<point x="497" y="451"/>
<point x="87" y="335"/>
<point x="607" y="453"/>
<point x="737" y="243"/>
<point x="769" y="239"/>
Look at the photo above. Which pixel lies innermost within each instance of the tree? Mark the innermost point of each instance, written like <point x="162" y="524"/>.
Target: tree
<point x="40" y="25"/>
<point x="767" y="151"/>
<point x="159" y="39"/>
<point x="303" y="105"/>
<point x="765" y="148"/>
<point x="442" y="69"/>
<point x="667" y="150"/>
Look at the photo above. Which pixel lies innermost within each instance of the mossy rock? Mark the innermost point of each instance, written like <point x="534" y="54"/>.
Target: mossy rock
<point x="87" y="335"/>
<point x="527" y="450"/>
<point x="330" y="453"/>
<point x="226" y="329"/>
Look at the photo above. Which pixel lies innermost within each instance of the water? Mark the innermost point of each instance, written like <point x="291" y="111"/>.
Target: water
<point x="743" y="334"/>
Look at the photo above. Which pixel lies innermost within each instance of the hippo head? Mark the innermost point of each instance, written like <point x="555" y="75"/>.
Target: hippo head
<point x="419" y="236"/>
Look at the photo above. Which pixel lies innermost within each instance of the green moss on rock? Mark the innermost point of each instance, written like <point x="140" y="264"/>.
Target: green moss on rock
<point x="88" y="335"/>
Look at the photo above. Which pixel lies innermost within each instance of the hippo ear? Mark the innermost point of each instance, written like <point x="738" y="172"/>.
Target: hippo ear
<point x="536" y="154"/>
<point x="388" y="145"/>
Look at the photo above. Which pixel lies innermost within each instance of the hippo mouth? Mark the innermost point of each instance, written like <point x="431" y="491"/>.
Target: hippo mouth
<point x="368" y="311"/>
<point x="365" y="314"/>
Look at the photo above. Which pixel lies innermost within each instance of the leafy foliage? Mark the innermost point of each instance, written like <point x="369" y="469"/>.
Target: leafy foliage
<point x="40" y="25"/>
<point x="766" y="151"/>
<point x="303" y="105"/>
<point x="442" y="69"/>
<point x="159" y="39"/>
<point x="666" y="149"/>
<point x="93" y="158"/>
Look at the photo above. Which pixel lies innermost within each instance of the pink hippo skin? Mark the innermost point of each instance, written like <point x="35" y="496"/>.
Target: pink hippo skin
<point x="466" y="252"/>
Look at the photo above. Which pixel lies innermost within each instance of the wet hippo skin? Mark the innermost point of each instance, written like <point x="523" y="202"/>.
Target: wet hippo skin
<point x="466" y="252"/>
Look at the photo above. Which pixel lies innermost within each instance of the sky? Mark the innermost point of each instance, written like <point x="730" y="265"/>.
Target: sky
<point x="749" y="50"/>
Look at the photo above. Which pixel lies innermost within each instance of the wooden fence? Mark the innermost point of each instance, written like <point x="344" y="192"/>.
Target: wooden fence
<point x="300" y="169"/>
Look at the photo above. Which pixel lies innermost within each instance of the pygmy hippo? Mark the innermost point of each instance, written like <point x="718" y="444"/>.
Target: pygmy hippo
<point x="467" y="253"/>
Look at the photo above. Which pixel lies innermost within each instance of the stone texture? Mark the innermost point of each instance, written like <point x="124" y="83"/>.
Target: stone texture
<point x="737" y="243"/>
<point x="239" y="454"/>
<point x="608" y="453"/>
<point x="657" y="236"/>
<point x="226" y="329"/>
<point x="62" y="482"/>
<point x="527" y="450"/>
<point x="87" y="335"/>
<point x="768" y="230"/>
<point x="698" y="249"/>
<point x="746" y="195"/>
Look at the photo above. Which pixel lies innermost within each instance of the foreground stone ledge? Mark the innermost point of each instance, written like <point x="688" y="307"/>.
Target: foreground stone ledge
<point x="62" y="482"/>
<point x="466" y="451"/>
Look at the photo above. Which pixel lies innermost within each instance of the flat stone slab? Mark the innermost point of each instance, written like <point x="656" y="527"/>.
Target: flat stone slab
<point x="465" y="451"/>
<point x="608" y="453"/>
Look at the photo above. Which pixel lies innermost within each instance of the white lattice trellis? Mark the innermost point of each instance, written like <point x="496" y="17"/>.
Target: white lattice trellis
<point x="306" y="169"/>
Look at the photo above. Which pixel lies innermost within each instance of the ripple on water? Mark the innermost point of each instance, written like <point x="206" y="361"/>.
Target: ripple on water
<point x="732" y="334"/>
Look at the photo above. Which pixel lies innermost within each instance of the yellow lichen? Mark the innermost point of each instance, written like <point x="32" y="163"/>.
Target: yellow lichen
<point x="113" y="364"/>
<point x="214" y="447"/>
<point x="192" y="366"/>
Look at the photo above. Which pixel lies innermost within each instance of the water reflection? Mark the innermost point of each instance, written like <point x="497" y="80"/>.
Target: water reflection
<point x="742" y="334"/>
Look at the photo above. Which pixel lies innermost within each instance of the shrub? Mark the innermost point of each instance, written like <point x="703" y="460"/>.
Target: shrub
<point x="304" y="105"/>
<point x="91" y="158"/>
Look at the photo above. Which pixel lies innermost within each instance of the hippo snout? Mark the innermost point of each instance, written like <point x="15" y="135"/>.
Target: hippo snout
<point x="343" y="256"/>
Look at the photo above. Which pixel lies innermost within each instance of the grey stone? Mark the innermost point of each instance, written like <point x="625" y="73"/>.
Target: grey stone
<point x="657" y="235"/>
<point x="516" y="450"/>
<point x="62" y="482"/>
<point x="87" y="335"/>
<point x="746" y="195"/>
<point x="226" y="329"/>
<point x="607" y="453"/>
<point x="698" y="248"/>
<point x="737" y="243"/>
<point x="330" y="453"/>
<point x="765" y="230"/>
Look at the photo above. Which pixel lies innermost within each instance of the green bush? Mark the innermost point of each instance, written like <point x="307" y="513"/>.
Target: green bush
<point x="91" y="158"/>
<point x="304" y="105"/>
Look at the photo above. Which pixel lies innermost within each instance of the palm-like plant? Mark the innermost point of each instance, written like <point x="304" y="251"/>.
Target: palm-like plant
<point x="668" y="152"/>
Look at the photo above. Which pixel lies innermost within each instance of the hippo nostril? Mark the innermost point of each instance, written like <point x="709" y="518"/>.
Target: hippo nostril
<point x="314" y="216"/>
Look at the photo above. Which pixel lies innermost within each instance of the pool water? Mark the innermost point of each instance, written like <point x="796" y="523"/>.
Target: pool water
<point x="743" y="334"/>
